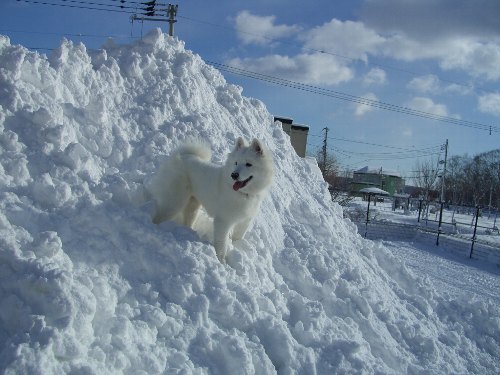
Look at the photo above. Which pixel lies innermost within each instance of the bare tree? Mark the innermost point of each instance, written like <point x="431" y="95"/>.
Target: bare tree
<point x="426" y="174"/>
<point x="336" y="179"/>
<point x="328" y="165"/>
<point x="455" y="179"/>
<point x="481" y="177"/>
<point x="492" y="171"/>
<point x="474" y="180"/>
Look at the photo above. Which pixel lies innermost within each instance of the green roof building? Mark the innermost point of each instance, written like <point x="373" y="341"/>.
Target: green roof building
<point x="385" y="179"/>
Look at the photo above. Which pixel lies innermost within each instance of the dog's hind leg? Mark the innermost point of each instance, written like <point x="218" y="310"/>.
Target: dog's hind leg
<point x="191" y="211"/>
<point x="165" y="212"/>
<point x="169" y="207"/>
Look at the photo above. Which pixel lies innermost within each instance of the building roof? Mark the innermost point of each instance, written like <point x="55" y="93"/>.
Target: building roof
<point x="378" y="170"/>
<point x="374" y="190"/>
<point x="300" y="127"/>
<point x="285" y="120"/>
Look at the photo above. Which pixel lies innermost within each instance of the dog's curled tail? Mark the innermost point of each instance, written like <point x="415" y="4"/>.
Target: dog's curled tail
<point x="198" y="149"/>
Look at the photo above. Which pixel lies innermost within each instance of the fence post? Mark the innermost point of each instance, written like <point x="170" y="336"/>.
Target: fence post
<point x="367" y="214"/>
<point x="440" y="222"/>
<point x="474" y="235"/>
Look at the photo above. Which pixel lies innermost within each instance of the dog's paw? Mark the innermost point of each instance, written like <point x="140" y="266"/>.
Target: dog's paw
<point x="235" y="260"/>
<point x="222" y="260"/>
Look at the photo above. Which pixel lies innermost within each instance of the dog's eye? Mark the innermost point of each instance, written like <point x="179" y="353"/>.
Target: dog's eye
<point x="248" y="165"/>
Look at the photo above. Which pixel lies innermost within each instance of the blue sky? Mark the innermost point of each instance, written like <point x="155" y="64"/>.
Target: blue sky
<point x="428" y="57"/>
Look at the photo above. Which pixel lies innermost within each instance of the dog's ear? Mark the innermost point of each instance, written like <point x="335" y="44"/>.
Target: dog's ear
<point x="257" y="147"/>
<point x="240" y="143"/>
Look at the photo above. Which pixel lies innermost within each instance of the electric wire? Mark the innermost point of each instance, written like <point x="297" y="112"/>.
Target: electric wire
<point x="78" y="6"/>
<point x="351" y="98"/>
<point x="351" y="160"/>
<point x="212" y="24"/>
<point x="135" y="2"/>
<point x="97" y="4"/>
<point x="368" y="143"/>
<point x="332" y="53"/>
<point x="305" y="87"/>
<point x="81" y="35"/>
<point x="388" y="156"/>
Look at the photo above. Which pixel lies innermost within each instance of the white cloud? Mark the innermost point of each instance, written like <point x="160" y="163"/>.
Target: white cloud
<point x="306" y="68"/>
<point x="477" y="58"/>
<point x="375" y="76"/>
<point x="253" y="29"/>
<point x="477" y="54"/>
<point x="431" y="19"/>
<point x="427" y="105"/>
<point x="346" y="39"/>
<point x="337" y="43"/>
<point x="425" y="84"/>
<point x="407" y="132"/>
<point x="460" y="34"/>
<point x="480" y="59"/>
<point x="432" y="84"/>
<point x="490" y="103"/>
<point x="362" y="109"/>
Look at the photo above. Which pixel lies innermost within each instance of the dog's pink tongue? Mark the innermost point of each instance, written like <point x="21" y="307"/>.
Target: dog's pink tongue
<point x="237" y="185"/>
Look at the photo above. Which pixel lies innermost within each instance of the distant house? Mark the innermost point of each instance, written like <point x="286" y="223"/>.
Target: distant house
<point x="385" y="179"/>
<point x="298" y="134"/>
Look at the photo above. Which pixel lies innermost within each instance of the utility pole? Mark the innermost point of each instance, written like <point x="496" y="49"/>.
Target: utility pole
<point x="172" y="12"/>
<point x="324" y="149"/>
<point x="150" y="13"/>
<point x="442" y="190"/>
<point x="444" y="169"/>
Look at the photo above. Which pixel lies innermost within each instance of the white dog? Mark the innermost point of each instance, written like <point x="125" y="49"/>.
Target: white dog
<point x="230" y="193"/>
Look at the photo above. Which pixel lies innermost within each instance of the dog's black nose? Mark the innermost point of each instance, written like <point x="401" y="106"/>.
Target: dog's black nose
<point x="235" y="175"/>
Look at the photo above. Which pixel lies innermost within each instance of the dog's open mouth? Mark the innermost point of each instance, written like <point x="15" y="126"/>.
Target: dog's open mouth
<point x="240" y="184"/>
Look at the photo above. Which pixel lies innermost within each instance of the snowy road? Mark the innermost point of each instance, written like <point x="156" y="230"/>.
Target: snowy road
<point x="460" y="277"/>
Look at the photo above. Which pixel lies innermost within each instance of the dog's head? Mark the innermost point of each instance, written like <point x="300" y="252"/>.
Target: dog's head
<point x="250" y="167"/>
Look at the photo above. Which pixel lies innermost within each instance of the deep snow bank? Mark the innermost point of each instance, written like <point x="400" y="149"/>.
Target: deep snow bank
<point x="89" y="285"/>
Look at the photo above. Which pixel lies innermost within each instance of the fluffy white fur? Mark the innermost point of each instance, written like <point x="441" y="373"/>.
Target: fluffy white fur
<point x="230" y="193"/>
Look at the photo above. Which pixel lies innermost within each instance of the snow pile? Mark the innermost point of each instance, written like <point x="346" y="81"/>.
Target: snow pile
<point x="89" y="285"/>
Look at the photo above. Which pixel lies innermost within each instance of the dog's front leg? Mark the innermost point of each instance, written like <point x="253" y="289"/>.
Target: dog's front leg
<point x="240" y="229"/>
<point x="221" y="235"/>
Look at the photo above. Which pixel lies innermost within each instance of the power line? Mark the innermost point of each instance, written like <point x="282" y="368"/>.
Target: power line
<point x="134" y="2"/>
<point x="364" y="157"/>
<point x="351" y="98"/>
<point x="371" y="144"/>
<point x="322" y="51"/>
<point x="332" y="53"/>
<point x="388" y="156"/>
<point x="97" y="6"/>
<point x="301" y="86"/>
<point x="391" y="154"/>
<point x="67" y="34"/>
<point x="74" y="6"/>
<point x="425" y="152"/>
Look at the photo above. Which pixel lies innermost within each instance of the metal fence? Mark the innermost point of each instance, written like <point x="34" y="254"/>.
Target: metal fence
<point x="471" y="230"/>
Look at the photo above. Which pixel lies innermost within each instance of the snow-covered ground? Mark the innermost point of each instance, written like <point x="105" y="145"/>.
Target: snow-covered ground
<point x="449" y="272"/>
<point x="456" y="220"/>
<point x="88" y="285"/>
<point x="461" y="277"/>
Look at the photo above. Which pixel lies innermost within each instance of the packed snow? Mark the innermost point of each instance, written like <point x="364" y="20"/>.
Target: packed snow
<point x="461" y="277"/>
<point x="89" y="285"/>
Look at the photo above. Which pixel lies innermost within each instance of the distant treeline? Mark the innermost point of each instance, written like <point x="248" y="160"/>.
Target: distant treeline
<point x="473" y="180"/>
